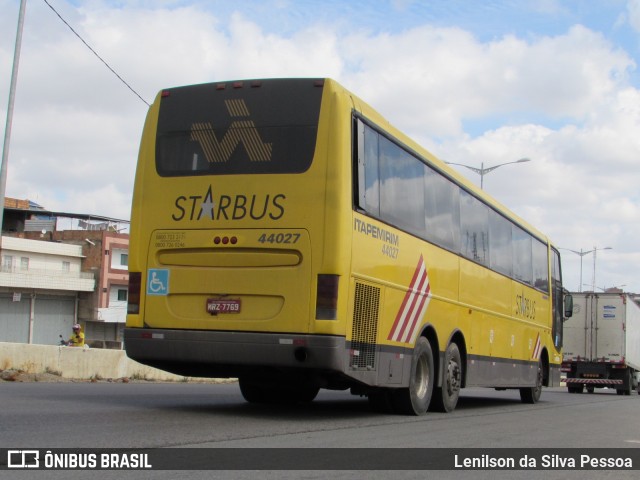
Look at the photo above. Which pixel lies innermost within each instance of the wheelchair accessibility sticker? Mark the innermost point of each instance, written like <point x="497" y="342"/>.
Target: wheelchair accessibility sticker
<point x="158" y="282"/>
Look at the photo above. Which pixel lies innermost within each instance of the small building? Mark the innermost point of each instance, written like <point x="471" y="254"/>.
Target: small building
<point x="40" y="287"/>
<point x="62" y="268"/>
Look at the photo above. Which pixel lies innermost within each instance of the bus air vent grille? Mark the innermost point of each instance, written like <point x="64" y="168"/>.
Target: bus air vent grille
<point x="365" y="327"/>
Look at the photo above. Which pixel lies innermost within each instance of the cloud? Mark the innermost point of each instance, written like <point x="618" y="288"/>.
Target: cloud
<point x="633" y="9"/>
<point x="566" y="100"/>
<point x="456" y="77"/>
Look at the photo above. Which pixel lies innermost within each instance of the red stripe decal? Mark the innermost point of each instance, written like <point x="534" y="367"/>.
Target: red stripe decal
<point x="413" y="306"/>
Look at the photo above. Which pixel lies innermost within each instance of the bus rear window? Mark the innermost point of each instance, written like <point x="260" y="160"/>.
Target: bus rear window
<point x="265" y="126"/>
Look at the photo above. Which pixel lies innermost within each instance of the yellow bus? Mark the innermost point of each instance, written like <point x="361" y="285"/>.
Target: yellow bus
<point x="285" y="234"/>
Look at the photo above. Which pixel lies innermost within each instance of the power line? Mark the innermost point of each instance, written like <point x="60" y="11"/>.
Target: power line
<point x="94" y="52"/>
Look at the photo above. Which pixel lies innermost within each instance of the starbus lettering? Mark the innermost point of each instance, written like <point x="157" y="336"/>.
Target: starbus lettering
<point x="228" y="207"/>
<point x="525" y="307"/>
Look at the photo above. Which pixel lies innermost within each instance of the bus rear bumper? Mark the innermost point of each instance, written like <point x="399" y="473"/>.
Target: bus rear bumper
<point x="231" y="354"/>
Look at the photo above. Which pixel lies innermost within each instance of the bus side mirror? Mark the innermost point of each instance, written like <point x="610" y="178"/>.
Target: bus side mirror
<point x="568" y="306"/>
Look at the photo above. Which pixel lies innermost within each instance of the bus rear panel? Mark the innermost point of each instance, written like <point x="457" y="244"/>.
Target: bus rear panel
<point x="228" y="234"/>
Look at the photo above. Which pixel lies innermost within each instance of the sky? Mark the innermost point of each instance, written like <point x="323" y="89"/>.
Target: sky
<point x="476" y="83"/>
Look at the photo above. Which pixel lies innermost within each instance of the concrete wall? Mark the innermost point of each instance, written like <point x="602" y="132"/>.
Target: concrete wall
<point x="73" y="362"/>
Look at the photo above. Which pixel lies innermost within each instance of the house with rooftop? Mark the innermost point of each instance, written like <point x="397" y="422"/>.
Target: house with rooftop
<point x="61" y="268"/>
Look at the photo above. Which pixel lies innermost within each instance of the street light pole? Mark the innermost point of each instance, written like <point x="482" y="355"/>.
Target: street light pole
<point x="594" y="264"/>
<point x="483" y="171"/>
<point x="582" y="253"/>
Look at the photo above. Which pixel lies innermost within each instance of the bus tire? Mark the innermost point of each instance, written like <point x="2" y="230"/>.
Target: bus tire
<point x="415" y="399"/>
<point x="532" y="394"/>
<point x="255" y="392"/>
<point x="445" y="398"/>
<point x="303" y="394"/>
<point x="381" y="401"/>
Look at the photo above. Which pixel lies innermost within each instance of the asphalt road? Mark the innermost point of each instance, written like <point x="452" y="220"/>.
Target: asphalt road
<point x="193" y="415"/>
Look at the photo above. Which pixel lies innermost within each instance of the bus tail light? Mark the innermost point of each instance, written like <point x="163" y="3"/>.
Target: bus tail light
<point x="327" y="298"/>
<point x="133" y="298"/>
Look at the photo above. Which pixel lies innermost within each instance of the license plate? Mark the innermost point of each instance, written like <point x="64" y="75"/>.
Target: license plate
<point x="223" y="305"/>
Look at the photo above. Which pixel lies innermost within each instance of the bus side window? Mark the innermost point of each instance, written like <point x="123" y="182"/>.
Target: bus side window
<point x="368" y="171"/>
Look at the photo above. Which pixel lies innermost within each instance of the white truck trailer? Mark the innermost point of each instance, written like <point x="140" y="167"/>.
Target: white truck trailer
<point x="602" y="343"/>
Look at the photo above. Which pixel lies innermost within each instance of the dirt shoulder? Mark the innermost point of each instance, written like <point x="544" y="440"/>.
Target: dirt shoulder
<point x="13" y="375"/>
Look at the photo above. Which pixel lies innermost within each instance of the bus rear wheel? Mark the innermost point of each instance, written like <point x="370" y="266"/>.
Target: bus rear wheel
<point x="445" y="398"/>
<point x="259" y="392"/>
<point x="415" y="399"/>
<point x="381" y="400"/>
<point x="532" y="394"/>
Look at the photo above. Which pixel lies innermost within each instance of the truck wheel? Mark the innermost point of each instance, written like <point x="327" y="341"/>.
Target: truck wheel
<point x="590" y="388"/>
<point x="576" y="389"/>
<point x="628" y="382"/>
<point x="445" y="398"/>
<point x="532" y="394"/>
<point x="415" y="399"/>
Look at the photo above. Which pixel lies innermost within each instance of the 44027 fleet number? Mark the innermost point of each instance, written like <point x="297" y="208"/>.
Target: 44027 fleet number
<point x="390" y="251"/>
<point x="279" y="238"/>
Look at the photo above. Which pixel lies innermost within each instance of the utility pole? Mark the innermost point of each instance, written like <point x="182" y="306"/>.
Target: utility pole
<point x="7" y="130"/>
